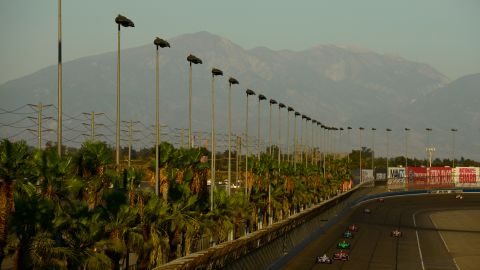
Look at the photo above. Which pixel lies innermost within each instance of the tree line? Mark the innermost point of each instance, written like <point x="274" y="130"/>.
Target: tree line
<point x="79" y="211"/>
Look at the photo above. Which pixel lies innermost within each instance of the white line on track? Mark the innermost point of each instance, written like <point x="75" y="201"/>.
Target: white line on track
<point x="418" y="241"/>
<point x="443" y="240"/>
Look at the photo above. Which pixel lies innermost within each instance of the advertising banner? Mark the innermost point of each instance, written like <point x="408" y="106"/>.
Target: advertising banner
<point x="396" y="178"/>
<point x="440" y="176"/>
<point x="367" y="175"/>
<point x="466" y="176"/>
<point x="396" y="174"/>
<point x="416" y="176"/>
<point x="380" y="176"/>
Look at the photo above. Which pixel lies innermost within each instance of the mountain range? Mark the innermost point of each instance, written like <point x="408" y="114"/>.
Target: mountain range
<point x="337" y="85"/>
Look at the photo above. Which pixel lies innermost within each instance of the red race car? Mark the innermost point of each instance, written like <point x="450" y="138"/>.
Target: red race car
<point x="341" y="256"/>
<point x="353" y="228"/>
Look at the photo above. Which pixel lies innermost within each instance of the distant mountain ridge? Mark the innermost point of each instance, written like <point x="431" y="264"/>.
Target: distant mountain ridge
<point x="337" y="85"/>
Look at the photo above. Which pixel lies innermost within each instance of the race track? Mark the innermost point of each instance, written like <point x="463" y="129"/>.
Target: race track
<point x="439" y="232"/>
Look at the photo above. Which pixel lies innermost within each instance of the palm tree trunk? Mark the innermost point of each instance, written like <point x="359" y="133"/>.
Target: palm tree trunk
<point x="127" y="259"/>
<point x="6" y="204"/>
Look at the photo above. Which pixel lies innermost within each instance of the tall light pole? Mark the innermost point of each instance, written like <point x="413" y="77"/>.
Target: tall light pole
<point x="125" y="22"/>
<point x="335" y="141"/>
<point x="249" y="93"/>
<point x="318" y="142"/>
<point x="314" y="131"/>
<point x="360" y="133"/>
<point x="272" y="102"/>
<point x="349" y="144"/>
<point x="324" y="128"/>
<point x="453" y="130"/>
<point x="289" y="109"/>
<point x="260" y="98"/>
<point x="406" y="147"/>
<point x="230" y="82"/>
<point x="373" y="151"/>
<point x="427" y="142"/>
<point x="387" y="131"/>
<point x="280" y="106"/>
<point x="59" y="81"/>
<point x="307" y="146"/>
<point x="340" y="144"/>
<point x="215" y="72"/>
<point x="270" y="217"/>
<point x="192" y="59"/>
<point x="295" y="140"/>
<point x="302" y="143"/>
<point x="159" y="43"/>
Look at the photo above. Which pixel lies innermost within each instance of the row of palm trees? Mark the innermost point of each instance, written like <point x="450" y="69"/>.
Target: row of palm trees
<point x="78" y="212"/>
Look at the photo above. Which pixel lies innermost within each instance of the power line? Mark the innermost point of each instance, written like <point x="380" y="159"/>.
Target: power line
<point x="3" y="111"/>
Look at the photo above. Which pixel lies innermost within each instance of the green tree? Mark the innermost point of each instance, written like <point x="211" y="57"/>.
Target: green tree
<point x="13" y="169"/>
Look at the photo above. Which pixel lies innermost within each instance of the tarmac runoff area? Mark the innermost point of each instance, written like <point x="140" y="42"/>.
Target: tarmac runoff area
<point x="459" y="232"/>
<point x="439" y="232"/>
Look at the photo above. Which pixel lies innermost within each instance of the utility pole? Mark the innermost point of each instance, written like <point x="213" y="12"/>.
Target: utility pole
<point x="130" y="131"/>
<point x="92" y="123"/>
<point x="39" y="110"/>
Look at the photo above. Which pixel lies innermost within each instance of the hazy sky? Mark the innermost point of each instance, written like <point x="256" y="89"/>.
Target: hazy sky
<point x="442" y="33"/>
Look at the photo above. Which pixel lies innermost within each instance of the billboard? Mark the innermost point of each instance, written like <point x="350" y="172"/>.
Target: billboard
<point x="416" y="176"/>
<point x="440" y="176"/>
<point x="396" y="174"/>
<point x="433" y="177"/>
<point x="367" y="175"/>
<point x="465" y="176"/>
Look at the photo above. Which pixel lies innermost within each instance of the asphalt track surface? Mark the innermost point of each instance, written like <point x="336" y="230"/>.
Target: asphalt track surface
<point x="439" y="232"/>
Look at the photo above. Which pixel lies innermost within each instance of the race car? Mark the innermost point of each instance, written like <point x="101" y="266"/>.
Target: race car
<point x="343" y="245"/>
<point x="353" y="228"/>
<point x="341" y="256"/>
<point x="348" y="234"/>
<point x="380" y="200"/>
<point x="396" y="233"/>
<point x="324" y="259"/>
<point x="367" y="211"/>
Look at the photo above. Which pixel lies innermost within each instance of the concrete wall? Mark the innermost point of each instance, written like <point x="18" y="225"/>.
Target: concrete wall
<point x="261" y="249"/>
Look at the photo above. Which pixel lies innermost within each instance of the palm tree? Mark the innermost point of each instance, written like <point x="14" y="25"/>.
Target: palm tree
<point x="222" y="217"/>
<point x="51" y="172"/>
<point x="13" y="158"/>
<point x="80" y="230"/>
<point x="183" y="225"/>
<point x="132" y="178"/>
<point x="123" y="234"/>
<point x="93" y="161"/>
<point x="45" y="253"/>
<point x="33" y="215"/>
<point x="154" y="216"/>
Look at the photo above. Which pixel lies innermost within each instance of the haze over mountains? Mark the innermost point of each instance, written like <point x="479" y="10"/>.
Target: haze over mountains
<point x="337" y="85"/>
